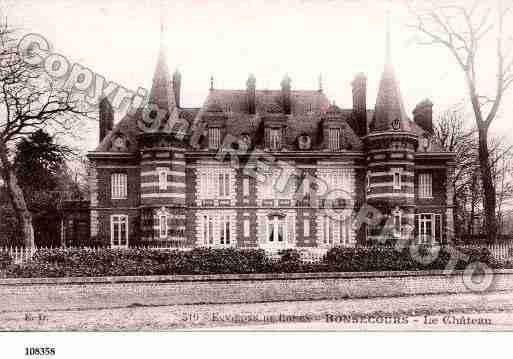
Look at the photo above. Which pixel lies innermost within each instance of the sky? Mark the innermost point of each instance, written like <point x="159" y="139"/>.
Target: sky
<point x="229" y="39"/>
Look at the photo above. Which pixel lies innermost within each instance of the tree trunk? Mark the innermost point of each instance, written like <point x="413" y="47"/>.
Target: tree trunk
<point x="17" y="198"/>
<point x="473" y="201"/>
<point x="489" y="198"/>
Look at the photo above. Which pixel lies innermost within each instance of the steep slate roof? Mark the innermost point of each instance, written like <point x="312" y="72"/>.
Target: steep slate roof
<point x="302" y="101"/>
<point x="389" y="104"/>
<point x="129" y="128"/>
<point x="308" y="108"/>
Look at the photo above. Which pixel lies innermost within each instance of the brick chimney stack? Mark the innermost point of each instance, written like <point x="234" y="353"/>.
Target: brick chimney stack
<point x="359" y="85"/>
<point x="106" y="118"/>
<point x="286" y="94"/>
<point x="251" y="94"/>
<point x="423" y="115"/>
<point x="177" y="85"/>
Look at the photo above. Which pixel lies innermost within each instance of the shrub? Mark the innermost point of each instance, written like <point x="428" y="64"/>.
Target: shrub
<point x="5" y="260"/>
<point x="121" y="262"/>
<point x="390" y="259"/>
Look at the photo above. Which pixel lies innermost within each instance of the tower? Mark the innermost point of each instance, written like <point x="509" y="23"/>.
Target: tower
<point x="162" y="173"/>
<point x="390" y="154"/>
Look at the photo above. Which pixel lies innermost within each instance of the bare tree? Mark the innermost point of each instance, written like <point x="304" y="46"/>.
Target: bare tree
<point x="463" y="27"/>
<point x="454" y="136"/>
<point x="28" y="100"/>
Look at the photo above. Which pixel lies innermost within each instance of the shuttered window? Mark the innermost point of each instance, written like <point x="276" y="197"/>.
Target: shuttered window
<point x="425" y="185"/>
<point x="217" y="229"/>
<point x="246" y="228"/>
<point x="336" y="230"/>
<point x="119" y="185"/>
<point x="215" y="183"/>
<point x="214" y="137"/>
<point x="245" y="187"/>
<point x="334" y="139"/>
<point x="275" y="139"/>
<point x="306" y="228"/>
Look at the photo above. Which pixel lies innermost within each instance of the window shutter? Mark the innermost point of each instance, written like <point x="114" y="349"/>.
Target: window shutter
<point x="291" y="229"/>
<point x="261" y="228"/>
<point x="217" y="228"/>
<point x="438" y="228"/>
<point x="233" y="230"/>
<point x="416" y="228"/>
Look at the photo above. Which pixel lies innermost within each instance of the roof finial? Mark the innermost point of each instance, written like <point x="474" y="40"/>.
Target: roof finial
<point x="211" y="82"/>
<point x="388" y="59"/>
<point x="320" y="82"/>
<point x="162" y="24"/>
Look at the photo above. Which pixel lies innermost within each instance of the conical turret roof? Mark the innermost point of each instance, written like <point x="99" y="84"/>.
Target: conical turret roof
<point x="389" y="112"/>
<point x="162" y="93"/>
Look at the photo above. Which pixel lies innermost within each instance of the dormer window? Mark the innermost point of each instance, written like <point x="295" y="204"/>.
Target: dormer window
<point x="214" y="138"/>
<point x="334" y="139"/>
<point x="304" y="142"/>
<point x="275" y="139"/>
<point x="244" y="142"/>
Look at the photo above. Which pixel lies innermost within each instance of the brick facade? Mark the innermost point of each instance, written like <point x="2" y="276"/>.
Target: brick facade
<point x="287" y="155"/>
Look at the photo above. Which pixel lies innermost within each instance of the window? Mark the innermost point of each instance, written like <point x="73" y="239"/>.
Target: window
<point x="306" y="228"/>
<point x="225" y="230"/>
<point x="425" y="185"/>
<point x="397" y="226"/>
<point x="163" y="226"/>
<point x="274" y="139"/>
<point x="334" y="139"/>
<point x="368" y="182"/>
<point x="397" y="178"/>
<point x="276" y="229"/>
<point x="306" y="187"/>
<point x="224" y="184"/>
<point x="245" y="187"/>
<point x="215" y="182"/>
<point x="162" y="178"/>
<point x="425" y="227"/>
<point x="119" y="230"/>
<point x="246" y="227"/>
<point x="336" y="230"/>
<point x="214" y="138"/>
<point x="119" y="185"/>
<point x="428" y="227"/>
<point x="217" y="229"/>
<point x="276" y="184"/>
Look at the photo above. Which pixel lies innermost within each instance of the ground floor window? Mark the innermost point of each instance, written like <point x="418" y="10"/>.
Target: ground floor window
<point x="119" y="230"/>
<point x="276" y="229"/>
<point x="217" y="229"/>
<point x="335" y="229"/>
<point x="428" y="227"/>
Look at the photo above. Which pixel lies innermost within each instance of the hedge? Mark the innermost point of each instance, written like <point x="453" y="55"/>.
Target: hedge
<point x="140" y="262"/>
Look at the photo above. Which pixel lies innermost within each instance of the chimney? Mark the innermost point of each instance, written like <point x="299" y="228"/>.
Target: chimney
<point x="251" y="94"/>
<point x="423" y="115"/>
<point x="106" y="118"/>
<point x="359" y="85"/>
<point x="177" y="85"/>
<point x="286" y="94"/>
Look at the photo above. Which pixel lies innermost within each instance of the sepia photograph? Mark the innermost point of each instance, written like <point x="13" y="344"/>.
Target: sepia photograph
<point x="255" y="166"/>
